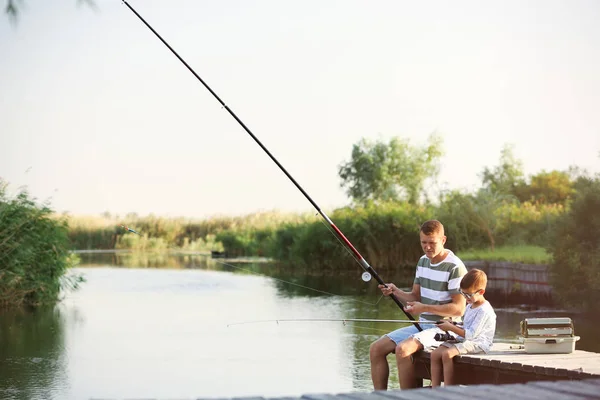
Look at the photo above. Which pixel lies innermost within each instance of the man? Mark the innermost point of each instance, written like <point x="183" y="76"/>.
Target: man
<point x="435" y="295"/>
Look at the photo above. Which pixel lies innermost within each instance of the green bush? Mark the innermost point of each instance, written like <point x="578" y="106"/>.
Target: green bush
<point x="34" y="255"/>
<point x="474" y="221"/>
<point x="575" y="272"/>
<point x="385" y="234"/>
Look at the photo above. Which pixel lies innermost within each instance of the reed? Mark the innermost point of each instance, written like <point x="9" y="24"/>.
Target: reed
<point x="34" y="252"/>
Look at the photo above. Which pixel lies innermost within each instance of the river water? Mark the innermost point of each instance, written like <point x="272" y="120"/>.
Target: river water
<point x="169" y="327"/>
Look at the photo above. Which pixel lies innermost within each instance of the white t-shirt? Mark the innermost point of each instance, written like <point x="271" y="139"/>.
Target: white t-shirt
<point x="480" y="325"/>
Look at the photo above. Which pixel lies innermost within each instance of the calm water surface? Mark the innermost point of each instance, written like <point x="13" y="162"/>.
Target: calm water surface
<point x="157" y="327"/>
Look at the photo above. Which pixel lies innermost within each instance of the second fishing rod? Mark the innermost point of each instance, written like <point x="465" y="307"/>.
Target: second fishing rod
<point x="359" y="258"/>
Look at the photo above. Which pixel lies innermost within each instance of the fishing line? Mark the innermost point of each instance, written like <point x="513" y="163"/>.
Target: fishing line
<point x="340" y="242"/>
<point x="362" y="262"/>
<point x="343" y="320"/>
<point x="294" y="284"/>
<point x="265" y="275"/>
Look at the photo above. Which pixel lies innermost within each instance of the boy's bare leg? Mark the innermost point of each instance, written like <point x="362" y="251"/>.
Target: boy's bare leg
<point x="380" y="370"/>
<point x="436" y="366"/>
<point x="406" y="369"/>
<point x="448" y="354"/>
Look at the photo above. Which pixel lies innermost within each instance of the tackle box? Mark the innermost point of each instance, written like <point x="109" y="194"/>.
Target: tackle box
<point x="548" y="335"/>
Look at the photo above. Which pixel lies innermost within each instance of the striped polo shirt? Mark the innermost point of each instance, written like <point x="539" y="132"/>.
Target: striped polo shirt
<point x="439" y="281"/>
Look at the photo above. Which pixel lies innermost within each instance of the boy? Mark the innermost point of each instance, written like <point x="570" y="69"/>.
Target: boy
<point x="476" y="335"/>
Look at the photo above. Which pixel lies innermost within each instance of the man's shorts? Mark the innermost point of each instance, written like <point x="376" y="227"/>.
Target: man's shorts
<point x="403" y="333"/>
<point x="426" y="337"/>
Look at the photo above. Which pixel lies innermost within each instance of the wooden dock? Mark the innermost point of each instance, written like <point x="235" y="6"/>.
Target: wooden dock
<point x="572" y="390"/>
<point x="507" y="363"/>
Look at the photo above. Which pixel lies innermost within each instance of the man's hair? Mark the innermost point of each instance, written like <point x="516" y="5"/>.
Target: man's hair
<point x="432" y="227"/>
<point x="474" y="279"/>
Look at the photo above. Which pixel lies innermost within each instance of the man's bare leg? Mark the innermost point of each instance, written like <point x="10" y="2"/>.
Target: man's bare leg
<point x="380" y="370"/>
<point x="406" y="369"/>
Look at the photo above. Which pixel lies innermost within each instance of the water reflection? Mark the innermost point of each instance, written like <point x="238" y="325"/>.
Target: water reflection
<point x="32" y="353"/>
<point x="156" y="326"/>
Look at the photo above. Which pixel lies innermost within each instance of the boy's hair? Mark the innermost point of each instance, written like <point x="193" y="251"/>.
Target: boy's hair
<point x="474" y="279"/>
<point x="432" y="227"/>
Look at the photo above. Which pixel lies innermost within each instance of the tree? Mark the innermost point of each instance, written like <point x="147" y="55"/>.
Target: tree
<point x="505" y="177"/>
<point x="396" y="170"/>
<point x="575" y="270"/>
<point x="472" y="216"/>
<point x="554" y="187"/>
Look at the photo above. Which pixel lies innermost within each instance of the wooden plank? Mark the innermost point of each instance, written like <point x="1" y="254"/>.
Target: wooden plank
<point x="488" y="392"/>
<point x="584" y="390"/>
<point x="592" y="382"/>
<point x="319" y="396"/>
<point x="282" y="398"/>
<point x="513" y="391"/>
<point x="412" y="394"/>
<point x="524" y="391"/>
<point x="248" y="398"/>
<point x="569" y="387"/>
<point x="375" y="395"/>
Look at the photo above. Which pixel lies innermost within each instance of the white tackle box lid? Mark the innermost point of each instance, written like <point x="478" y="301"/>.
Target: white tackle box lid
<point x="547" y="327"/>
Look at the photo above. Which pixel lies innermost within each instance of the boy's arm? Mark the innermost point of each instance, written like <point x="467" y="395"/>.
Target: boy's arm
<point x="455" y="328"/>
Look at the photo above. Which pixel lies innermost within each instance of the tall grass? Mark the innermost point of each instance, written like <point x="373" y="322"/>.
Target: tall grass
<point x="34" y="252"/>
<point x="161" y="234"/>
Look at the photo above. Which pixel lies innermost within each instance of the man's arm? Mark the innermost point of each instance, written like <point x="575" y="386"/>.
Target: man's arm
<point x="413" y="295"/>
<point x="454" y="309"/>
<point x="404" y="297"/>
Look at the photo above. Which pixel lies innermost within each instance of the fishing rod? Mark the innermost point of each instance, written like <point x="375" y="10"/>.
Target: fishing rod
<point x="359" y="258"/>
<point x="334" y="320"/>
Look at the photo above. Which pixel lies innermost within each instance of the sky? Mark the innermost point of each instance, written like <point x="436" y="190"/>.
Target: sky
<point x="97" y="115"/>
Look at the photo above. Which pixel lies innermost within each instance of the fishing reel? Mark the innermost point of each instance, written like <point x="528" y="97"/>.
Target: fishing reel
<point x="442" y="337"/>
<point x="366" y="276"/>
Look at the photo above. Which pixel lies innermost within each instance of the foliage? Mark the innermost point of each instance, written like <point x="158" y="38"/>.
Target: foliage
<point x="91" y="233"/>
<point x="34" y="255"/>
<point x="576" y="250"/>
<point x="391" y="171"/>
<point x="528" y="223"/>
<point x="141" y="243"/>
<point x="554" y="187"/>
<point x="172" y="233"/>
<point x="506" y="176"/>
<point x="473" y="215"/>
<point x="386" y="235"/>
<point x="524" y="254"/>
<point x="13" y="7"/>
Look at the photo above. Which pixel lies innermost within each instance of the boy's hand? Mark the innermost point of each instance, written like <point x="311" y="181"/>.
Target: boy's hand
<point x="387" y="290"/>
<point x="415" y="307"/>
<point x="444" y="325"/>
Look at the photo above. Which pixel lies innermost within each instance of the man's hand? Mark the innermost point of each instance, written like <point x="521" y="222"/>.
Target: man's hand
<point x="415" y="307"/>
<point x="389" y="289"/>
